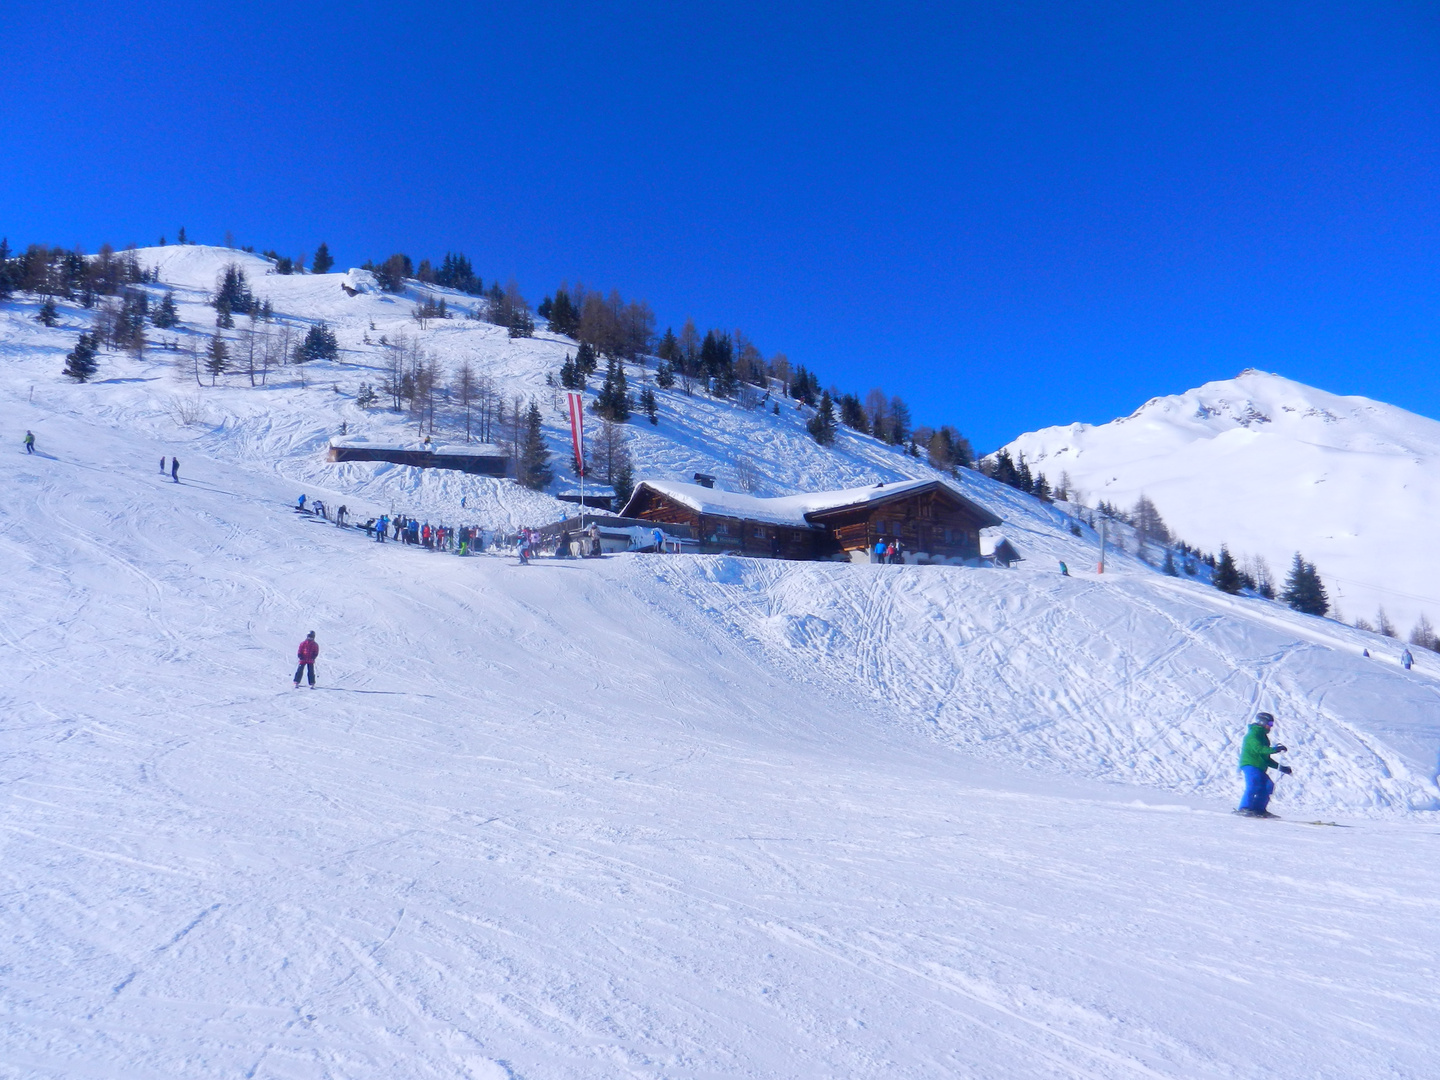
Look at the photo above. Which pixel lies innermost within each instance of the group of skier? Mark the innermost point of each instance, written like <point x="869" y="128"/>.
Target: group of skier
<point x="888" y="551"/>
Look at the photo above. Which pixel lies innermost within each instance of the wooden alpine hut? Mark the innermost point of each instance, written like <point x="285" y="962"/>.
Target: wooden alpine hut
<point x="933" y="521"/>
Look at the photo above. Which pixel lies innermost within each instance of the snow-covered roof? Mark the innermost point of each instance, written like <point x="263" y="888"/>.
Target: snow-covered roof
<point x="792" y="510"/>
<point x="439" y="449"/>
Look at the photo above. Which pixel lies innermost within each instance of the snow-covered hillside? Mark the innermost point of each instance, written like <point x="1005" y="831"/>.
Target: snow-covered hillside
<point x="1271" y="467"/>
<point x="286" y="424"/>
<point x="651" y="816"/>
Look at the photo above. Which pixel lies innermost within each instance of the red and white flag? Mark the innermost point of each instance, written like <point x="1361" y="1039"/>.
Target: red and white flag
<point x="577" y="428"/>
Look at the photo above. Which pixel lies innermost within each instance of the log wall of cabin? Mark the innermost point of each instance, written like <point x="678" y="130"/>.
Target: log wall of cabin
<point x="718" y="533"/>
<point x="919" y="523"/>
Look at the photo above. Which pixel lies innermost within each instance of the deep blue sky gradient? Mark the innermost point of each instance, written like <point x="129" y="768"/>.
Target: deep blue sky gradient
<point x="1011" y="214"/>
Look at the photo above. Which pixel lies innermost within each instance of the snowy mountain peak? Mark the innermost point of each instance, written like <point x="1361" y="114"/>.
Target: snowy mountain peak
<point x="1271" y="466"/>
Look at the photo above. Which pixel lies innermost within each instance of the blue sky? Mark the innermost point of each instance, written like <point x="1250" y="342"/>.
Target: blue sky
<point x="1012" y="215"/>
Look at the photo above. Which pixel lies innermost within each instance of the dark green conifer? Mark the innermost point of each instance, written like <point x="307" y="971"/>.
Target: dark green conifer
<point x="80" y="362"/>
<point x="1227" y="575"/>
<point x="1304" y="591"/>
<point x="533" y="467"/>
<point x="822" y="425"/>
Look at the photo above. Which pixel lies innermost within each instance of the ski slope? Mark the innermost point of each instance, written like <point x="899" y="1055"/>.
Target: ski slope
<point x="658" y="816"/>
<point x="1271" y="467"/>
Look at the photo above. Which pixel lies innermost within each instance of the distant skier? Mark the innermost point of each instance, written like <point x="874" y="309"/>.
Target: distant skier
<point x="29" y="442"/>
<point x="1064" y="570"/>
<point x="380" y="527"/>
<point x="658" y="535"/>
<point x="162" y="464"/>
<point x="562" y="545"/>
<point x="300" y="504"/>
<point x="175" y="469"/>
<point x="1256" y="757"/>
<point x="1406" y="660"/>
<point x="340" y="517"/>
<point x="307" y="653"/>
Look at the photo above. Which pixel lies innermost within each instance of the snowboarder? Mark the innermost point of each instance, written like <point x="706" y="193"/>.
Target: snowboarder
<point x="340" y="517"/>
<point x="300" y="504"/>
<point x="307" y="653"/>
<point x="29" y="442"/>
<point x="1064" y="570"/>
<point x="175" y="469"/>
<point x="1256" y="757"/>
<point x="1406" y="660"/>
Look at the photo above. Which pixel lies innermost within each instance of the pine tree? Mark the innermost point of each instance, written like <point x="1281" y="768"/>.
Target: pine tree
<point x="1170" y="563"/>
<point x="232" y="290"/>
<point x="319" y="344"/>
<point x="217" y="358"/>
<point x="664" y="375"/>
<point x="852" y="414"/>
<point x="669" y="347"/>
<point x="822" y="425"/>
<point x="323" y="261"/>
<point x="181" y="238"/>
<point x="1304" y="590"/>
<point x="533" y="461"/>
<point x="1227" y="575"/>
<point x="80" y="362"/>
<point x="585" y="359"/>
<point x="1383" y="625"/>
<point x="166" y="316"/>
<point x="48" y="314"/>
<point x="649" y="405"/>
<point x="613" y="400"/>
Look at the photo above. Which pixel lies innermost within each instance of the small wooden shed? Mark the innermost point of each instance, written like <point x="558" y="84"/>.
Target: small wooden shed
<point x="479" y="458"/>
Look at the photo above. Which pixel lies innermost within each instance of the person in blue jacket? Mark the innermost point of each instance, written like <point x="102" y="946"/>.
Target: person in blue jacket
<point x="1257" y="757"/>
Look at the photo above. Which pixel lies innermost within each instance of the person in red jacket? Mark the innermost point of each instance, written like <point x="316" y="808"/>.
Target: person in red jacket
<point x="307" y="653"/>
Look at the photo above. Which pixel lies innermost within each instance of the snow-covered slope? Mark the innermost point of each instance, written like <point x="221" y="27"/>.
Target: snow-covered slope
<point x="655" y="816"/>
<point x="1271" y="467"/>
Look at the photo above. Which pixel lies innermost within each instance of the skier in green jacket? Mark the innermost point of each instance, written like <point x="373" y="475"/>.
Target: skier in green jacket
<point x="1256" y="757"/>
